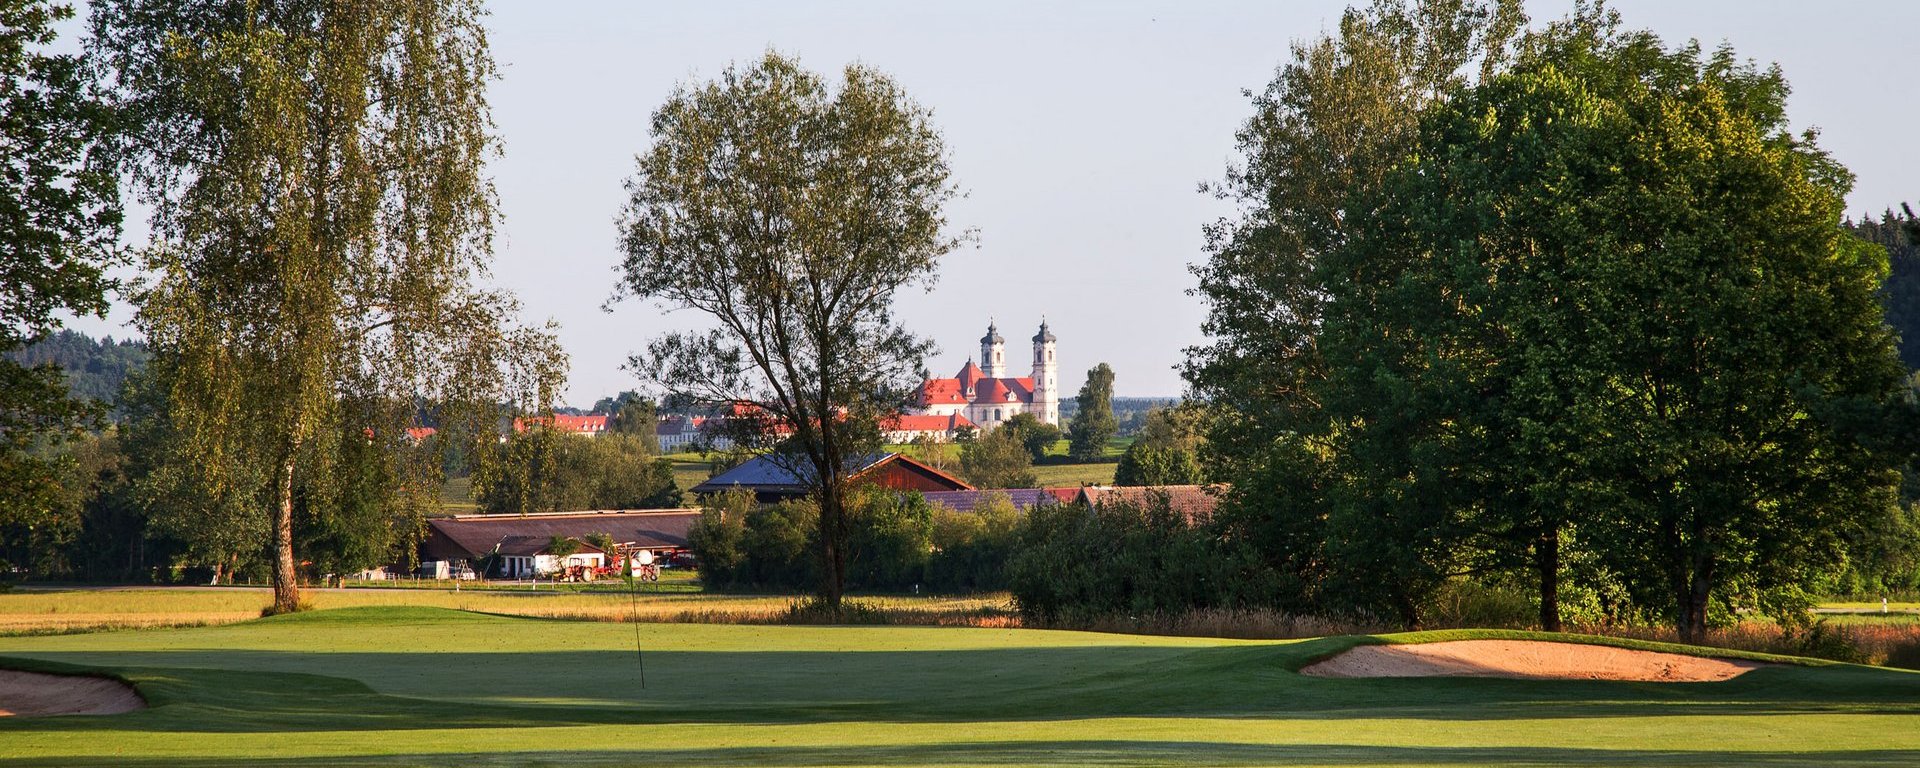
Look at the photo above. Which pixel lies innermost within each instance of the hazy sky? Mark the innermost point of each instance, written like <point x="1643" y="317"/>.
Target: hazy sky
<point x="1079" y="132"/>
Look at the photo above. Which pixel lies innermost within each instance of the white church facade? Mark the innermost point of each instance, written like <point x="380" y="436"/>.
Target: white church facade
<point x="985" y="395"/>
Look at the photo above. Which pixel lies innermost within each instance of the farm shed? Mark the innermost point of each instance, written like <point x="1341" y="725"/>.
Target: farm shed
<point x="1193" y="502"/>
<point x="461" y="540"/>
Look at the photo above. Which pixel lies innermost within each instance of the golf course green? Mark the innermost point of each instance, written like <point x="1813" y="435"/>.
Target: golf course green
<point x="432" y="686"/>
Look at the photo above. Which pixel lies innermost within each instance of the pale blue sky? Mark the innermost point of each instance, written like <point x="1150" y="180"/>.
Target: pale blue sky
<point x="1078" y="130"/>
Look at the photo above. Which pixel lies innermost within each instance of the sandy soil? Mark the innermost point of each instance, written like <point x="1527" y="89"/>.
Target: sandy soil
<point x="31" y="694"/>
<point x="1526" y="660"/>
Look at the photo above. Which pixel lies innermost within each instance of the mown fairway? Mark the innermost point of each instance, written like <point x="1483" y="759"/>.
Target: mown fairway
<point x="404" y="685"/>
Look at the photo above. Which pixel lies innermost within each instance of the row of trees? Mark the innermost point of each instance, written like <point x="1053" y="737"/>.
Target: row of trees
<point x="1560" y="302"/>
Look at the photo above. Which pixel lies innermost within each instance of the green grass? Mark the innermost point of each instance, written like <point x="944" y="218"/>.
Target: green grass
<point x="427" y="686"/>
<point x="1114" y="447"/>
<point x="1070" y="475"/>
<point x="456" y="497"/>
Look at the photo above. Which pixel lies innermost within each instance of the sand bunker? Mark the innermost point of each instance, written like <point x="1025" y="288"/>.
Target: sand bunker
<point x="31" y="694"/>
<point x="1527" y="660"/>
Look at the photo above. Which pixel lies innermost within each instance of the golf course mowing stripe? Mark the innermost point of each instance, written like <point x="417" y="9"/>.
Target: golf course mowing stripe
<point x="430" y="686"/>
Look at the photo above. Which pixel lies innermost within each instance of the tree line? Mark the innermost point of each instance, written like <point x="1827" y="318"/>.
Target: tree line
<point x="1577" y="312"/>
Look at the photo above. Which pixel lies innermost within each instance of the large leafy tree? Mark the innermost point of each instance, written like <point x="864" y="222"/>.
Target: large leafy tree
<point x="544" y="470"/>
<point x="1167" y="450"/>
<point x="1334" y="122"/>
<point x="790" y="213"/>
<point x="1610" y="294"/>
<point x="321" y="221"/>
<point x="998" y="460"/>
<point x="59" y="218"/>
<point x="1036" y="435"/>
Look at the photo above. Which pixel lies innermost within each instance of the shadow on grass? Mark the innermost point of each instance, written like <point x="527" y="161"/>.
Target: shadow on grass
<point x="219" y="690"/>
<point x="1086" y="753"/>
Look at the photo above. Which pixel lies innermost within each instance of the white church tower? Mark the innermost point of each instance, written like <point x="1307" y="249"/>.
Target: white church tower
<point x="1046" y="387"/>
<point x="993" y="353"/>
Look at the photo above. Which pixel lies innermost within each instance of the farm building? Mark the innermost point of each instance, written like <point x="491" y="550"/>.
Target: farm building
<point x="1193" y="502"/>
<point x="523" y="557"/>
<point x="772" y="482"/>
<point x="519" y="542"/>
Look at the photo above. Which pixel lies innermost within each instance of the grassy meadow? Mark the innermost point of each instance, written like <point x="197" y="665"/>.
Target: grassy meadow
<point x="392" y="685"/>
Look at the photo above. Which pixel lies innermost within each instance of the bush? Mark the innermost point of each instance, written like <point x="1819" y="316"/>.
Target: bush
<point x="998" y="460"/>
<point x="1482" y="604"/>
<point x="1073" y="563"/>
<point x="718" y="539"/>
<point x="1821" y="640"/>
<point x="1145" y="464"/>
<point x="779" y="543"/>
<point x="891" y="539"/>
<point x="971" y="549"/>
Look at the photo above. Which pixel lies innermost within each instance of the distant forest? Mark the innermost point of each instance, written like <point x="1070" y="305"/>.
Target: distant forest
<point x="1900" y="234"/>
<point x="96" y="369"/>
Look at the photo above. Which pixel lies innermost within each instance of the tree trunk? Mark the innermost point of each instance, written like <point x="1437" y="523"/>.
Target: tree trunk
<point x="1546" y="562"/>
<point x="1693" y="608"/>
<point x="833" y="556"/>
<point x="286" y="576"/>
<point x="1409" y="611"/>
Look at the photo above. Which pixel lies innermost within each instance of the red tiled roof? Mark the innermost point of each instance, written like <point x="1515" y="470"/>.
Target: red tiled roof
<point x="941" y="392"/>
<point x="1193" y="502"/>
<point x="1063" y="495"/>
<point x="419" y="434"/>
<point x="993" y="391"/>
<point x="969" y="376"/>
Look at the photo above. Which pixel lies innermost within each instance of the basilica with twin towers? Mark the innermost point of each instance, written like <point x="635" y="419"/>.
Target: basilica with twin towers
<point x="984" y="394"/>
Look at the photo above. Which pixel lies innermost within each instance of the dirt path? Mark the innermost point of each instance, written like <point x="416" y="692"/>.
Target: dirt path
<point x="1527" y="660"/>
<point x="32" y="694"/>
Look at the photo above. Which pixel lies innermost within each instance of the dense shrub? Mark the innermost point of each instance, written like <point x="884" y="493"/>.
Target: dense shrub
<point x="1075" y="563"/>
<point x="891" y="541"/>
<point x="1145" y="464"/>
<point x="971" y="549"/>
<point x="718" y="538"/>
<point x="780" y="545"/>
<point x="740" y="544"/>
<point x="899" y="543"/>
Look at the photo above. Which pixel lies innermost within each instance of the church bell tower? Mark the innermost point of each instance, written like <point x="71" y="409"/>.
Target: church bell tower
<point x="993" y="353"/>
<point x="1046" y="385"/>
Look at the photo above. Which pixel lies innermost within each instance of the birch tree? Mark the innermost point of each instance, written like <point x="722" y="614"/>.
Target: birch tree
<point x="322" y="224"/>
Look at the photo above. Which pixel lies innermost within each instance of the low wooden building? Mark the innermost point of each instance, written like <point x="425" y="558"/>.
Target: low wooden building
<point x="1196" y="503"/>
<point x="515" y="544"/>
